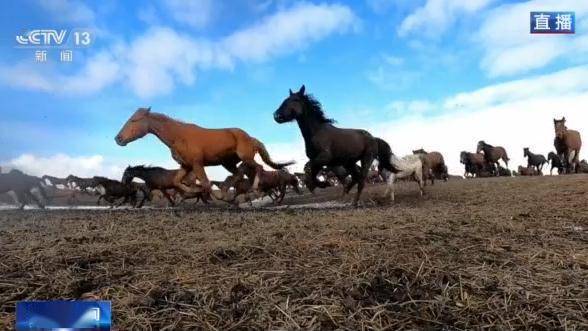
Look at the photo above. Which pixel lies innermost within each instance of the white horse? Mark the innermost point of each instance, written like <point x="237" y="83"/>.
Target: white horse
<point x="410" y="165"/>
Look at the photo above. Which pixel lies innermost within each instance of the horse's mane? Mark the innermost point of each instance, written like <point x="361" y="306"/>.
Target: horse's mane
<point x="486" y="144"/>
<point x="316" y="109"/>
<point x="144" y="167"/>
<point x="166" y="118"/>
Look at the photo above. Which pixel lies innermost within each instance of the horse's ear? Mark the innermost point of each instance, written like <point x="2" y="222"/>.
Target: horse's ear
<point x="290" y="92"/>
<point x="302" y="89"/>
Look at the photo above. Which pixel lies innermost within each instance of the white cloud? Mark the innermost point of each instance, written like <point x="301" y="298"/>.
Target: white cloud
<point x="436" y="16"/>
<point x="561" y="83"/>
<point x="195" y="13"/>
<point x="504" y="114"/>
<point x="70" y="11"/>
<point x="288" y="30"/>
<point x="413" y="107"/>
<point x="156" y="61"/>
<point x="510" y="49"/>
<point x="100" y="71"/>
<point x="160" y="58"/>
<point x="61" y="165"/>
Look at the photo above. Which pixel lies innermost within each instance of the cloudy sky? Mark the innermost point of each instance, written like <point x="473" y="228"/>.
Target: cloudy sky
<point x="437" y="74"/>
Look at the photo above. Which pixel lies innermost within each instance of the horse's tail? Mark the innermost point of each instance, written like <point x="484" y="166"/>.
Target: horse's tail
<point x="505" y="156"/>
<point x="260" y="148"/>
<point x="384" y="155"/>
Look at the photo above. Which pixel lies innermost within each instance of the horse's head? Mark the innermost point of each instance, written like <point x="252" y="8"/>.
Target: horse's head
<point x="463" y="157"/>
<point x="291" y="107"/>
<point x="525" y="151"/>
<point x="480" y="146"/>
<point x="560" y="127"/>
<point x="136" y="127"/>
<point x="128" y="175"/>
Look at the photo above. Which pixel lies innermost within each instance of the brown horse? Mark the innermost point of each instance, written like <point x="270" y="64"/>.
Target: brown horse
<point x="567" y="144"/>
<point x="492" y="154"/>
<point x="269" y="181"/>
<point x="474" y="163"/>
<point x="433" y="165"/>
<point x="194" y="147"/>
<point x="528" y="171"/>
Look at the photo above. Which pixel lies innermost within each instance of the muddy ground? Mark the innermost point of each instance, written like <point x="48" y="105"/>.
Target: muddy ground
<point x="497" y="253"/>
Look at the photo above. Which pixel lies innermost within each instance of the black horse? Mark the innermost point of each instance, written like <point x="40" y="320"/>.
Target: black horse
<point x="327" y="145"/>
<point x="534" y="160"/>
<point x="23" y="185"/>
<point x="84" y="184"/>
<point x="155" y="178"/>
<point x="556" y="162"/>
<point x="112" y="190"/>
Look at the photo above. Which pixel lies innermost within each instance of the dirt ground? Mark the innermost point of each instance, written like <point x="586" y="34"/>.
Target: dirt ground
<point x="496" y="253"/>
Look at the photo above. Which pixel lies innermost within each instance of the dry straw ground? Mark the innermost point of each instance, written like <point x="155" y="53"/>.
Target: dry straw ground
<point x="472" y="254"/>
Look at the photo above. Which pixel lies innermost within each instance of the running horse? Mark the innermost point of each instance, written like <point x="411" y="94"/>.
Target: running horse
<point x="327" y="145"/>
<point x="195" y="147"/>
<point x="567" y="145"/>
<point x="493" y="154"/>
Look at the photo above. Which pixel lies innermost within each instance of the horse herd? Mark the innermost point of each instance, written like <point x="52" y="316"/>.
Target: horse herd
<point x="336" y="155"/>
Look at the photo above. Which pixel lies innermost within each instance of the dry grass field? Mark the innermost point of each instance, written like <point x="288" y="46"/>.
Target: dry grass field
<point x="496" y="253"/>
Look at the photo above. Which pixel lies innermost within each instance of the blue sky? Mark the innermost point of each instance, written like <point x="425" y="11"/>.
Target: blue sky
<point x="396" y="67"/>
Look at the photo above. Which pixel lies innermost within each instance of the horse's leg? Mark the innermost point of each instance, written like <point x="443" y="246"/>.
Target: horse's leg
<point x="19" y="197"/>
<point x="183" y="172"/>
<point x="282" y="190"/>
<point x="142" y="202"/>
<point x="166" y="194"/>
<point x="366" y="163"/>
<point x="390" y="188"/>
<point x="418" y="175"/>
<point x="35" y="199"/>
<point x="572" y="161"/>
<point x="123" y="201"/>
<point x="354" y="171"/>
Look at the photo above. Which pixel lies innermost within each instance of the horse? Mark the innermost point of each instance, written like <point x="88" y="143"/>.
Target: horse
<point x="240" y="184"/>
<point x="269" y="181"/>
<point x="492" y="154"/>
<point x="583" y="167"/>
<point x="374" y="176"/>
<point x="528" y="171"/>
<point x="22" y="185"/>
<point x="504" y="172"/>
<point x="399" y="168"/>
<point x="433" y="165"/>
<point x="556" y="162"/>
<point x="83" y="184"/>
<point x="534" y="160"/>
<point x="195" y="147"/>
<point x="112" y="190"/>
<point x="473" y="162"/>
<point x="327" y="145"/>
<point x="567" y="144"/>
<point x="54" y="181"/>
<point x="155" y="178"/>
